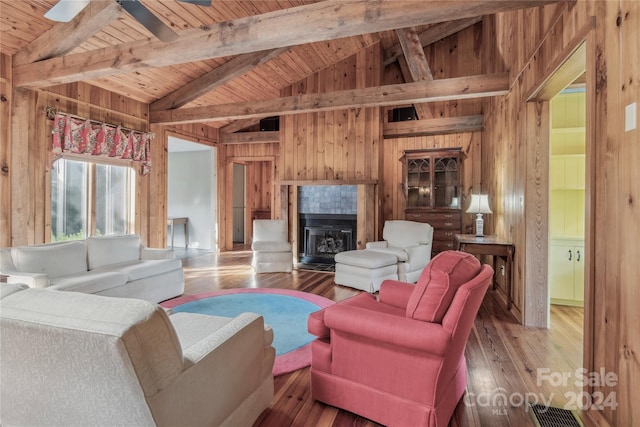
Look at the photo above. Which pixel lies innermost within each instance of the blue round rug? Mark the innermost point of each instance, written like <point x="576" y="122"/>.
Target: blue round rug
<point x="284" y="310"/>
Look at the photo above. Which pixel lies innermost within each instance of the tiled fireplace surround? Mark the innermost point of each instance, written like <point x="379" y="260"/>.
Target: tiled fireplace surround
<point x="328" y="221"/>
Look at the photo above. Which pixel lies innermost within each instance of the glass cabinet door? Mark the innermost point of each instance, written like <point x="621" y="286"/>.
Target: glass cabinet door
<point x="446" y="183"/>
<point x="419" y="182"/>
<point x="432" y="178"/>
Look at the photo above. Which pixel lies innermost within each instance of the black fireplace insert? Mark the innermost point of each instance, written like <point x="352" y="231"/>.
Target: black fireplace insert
<point x="322" y="236"/>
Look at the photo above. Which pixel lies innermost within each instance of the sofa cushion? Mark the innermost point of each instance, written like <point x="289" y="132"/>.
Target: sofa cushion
<point x="89" y="281"/>
<point x="7" y="289"/>
<point x="53" y="259"/>
<point x="438" y="284"/>
<point x="135" y="270"/>
<point x="107" y="250"/>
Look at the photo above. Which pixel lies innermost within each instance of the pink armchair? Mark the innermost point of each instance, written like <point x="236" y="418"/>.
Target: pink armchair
<point x="400" y="361"/>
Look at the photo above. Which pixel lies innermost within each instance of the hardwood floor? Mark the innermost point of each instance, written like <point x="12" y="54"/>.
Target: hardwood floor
<point x="508" y="363"/>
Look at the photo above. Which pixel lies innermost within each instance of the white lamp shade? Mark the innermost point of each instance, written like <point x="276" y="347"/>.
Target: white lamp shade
<point x="479" y="204"/>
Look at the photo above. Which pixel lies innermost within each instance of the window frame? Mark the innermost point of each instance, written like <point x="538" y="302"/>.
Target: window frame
<point x="91" y="185"/>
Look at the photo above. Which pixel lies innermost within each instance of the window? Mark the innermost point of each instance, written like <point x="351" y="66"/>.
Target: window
<point x="90" y="199"/>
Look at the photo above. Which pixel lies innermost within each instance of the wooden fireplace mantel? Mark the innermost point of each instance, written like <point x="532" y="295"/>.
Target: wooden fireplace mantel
<point x="367" y="216"/>
<point x="330" y="182"/>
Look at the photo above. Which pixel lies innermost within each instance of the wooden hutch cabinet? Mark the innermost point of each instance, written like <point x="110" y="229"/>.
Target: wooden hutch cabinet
<point x="432" y="181"/>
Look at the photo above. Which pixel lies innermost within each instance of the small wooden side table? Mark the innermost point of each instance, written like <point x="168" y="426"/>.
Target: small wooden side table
<point x="174" y="221"/>
<point x="490" y="245"/>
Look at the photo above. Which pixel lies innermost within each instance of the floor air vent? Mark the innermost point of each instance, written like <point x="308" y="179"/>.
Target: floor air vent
<point x="548" y="416"/>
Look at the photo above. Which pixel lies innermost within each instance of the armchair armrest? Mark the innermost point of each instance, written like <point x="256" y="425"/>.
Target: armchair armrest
<point x="232" y="362"/>
<point x="33" y="280"/>
<point x="7" y="268"/>
<point x="418" y="256"/>
<point x="396" y="293"/>
<point x="376" y="245"/>
<point x="389" y="329"/>
<point x="249" y="323"/>
<point x="155" y="253"/>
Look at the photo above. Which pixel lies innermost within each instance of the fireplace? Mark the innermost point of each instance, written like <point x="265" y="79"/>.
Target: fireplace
<point x="322" y="236"/>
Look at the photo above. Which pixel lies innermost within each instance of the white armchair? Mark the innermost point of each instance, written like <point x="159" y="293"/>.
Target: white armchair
<point x="410" y="242"/>
<point x="271" y="247"/>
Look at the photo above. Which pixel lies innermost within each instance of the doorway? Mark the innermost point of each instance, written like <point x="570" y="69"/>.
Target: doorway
<point x="192" y="196"/>
<point x="567" y="147"/>
<point x="238" y="201"/>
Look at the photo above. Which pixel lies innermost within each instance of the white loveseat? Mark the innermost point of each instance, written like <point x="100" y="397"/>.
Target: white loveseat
<point x="119" y="266"/>
<point x="74" y="359"/>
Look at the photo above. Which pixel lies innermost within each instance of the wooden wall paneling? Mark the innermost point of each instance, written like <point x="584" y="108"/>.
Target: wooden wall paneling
<point x="594" y="188"/>
<point x="327" y="133"/>
<point x="508" y="179"/>
<point x="225" y="205"/>
<point x="6" y="167"/>
<point x="389" y="186"/>
<point x="158" y="180"/>
<point x="22" y="180"/>
<point x="513" y="146"/>
<point x="40" y="171"/>
<point x="301" y="145"/>
<point x="610" y="345"/>
<point x="628" y="89"/>
<point x="471" y="178"/>
<point x="334" y="146"/>
<point x="366" y="215"/>
<point x="608" y="312"/>
<point x="287" y="153"/>
<point x="348" y="70"/>
<point x="288" y="210"/>
<point x="339" y="119"/>
<point x="537" y="204"/>
<point x="253" y="199"/>
<point x="314" y="144"/>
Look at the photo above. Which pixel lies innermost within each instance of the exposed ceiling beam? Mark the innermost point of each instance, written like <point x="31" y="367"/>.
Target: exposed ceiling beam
<point x="439" y="126"/>
<point x="431" y="35"/>
<point x="414" y="54"/>
<point x="423" y="111"/>
<point x="240" y="124"/>
<point x="250" y="137"/>
<point x="398" y="94"/>
<point x="415" y="63"/>
<point x="64" y="37"/>
<point x="325" y="20"/>
<point x="217" y="77"/>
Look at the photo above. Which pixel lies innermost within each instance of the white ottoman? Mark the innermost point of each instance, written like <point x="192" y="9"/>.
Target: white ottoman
<point x="365" y="270"/>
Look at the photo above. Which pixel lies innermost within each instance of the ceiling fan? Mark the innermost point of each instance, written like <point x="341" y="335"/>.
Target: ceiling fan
<point x="66" y="10"/>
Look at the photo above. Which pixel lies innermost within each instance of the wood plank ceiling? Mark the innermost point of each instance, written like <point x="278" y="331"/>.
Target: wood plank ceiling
<point x="249" y="78"/>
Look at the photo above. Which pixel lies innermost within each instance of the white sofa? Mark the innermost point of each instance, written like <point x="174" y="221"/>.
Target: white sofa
<point x="119" y="266"/>
<point x="411" y="242"/>
<point x="74" y="359"/>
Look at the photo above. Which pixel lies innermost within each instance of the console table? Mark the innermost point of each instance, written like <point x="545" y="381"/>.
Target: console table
<point x="177" y="221"/>
<point x="490" y="245"/>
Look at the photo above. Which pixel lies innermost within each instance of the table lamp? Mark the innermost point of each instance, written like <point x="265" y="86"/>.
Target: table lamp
<point x="479" y="205"/>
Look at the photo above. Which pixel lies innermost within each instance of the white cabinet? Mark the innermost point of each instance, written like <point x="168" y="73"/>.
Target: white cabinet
<point x="566" y="272"/>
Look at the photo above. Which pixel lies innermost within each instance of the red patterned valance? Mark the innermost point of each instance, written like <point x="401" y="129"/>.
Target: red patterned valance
<point x="72" y="135"/>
